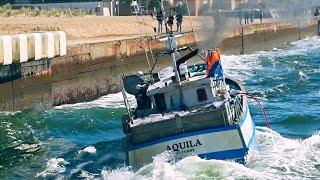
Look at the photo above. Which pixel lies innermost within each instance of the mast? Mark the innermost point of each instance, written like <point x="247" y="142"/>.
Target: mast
<point x="172" y="50"/>
<point x="171" y="46"/>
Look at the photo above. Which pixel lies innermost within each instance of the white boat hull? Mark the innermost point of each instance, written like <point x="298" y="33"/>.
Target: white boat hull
<point x="231" y="142"/>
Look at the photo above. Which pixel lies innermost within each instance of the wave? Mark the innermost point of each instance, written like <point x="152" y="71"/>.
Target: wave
<point x="191" y="167"/>
<point x="8" y="113"/>
<point x="290" y="158"/>
<point x="303" y="76"/>
<point x="298" y="119"/>
<point x="298" y="54"/>
<point x="54" y="166"/>
<point x="111" y="101"/>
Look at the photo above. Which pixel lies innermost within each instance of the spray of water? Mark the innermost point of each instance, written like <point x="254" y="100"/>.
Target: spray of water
<point x="222" y="17"/>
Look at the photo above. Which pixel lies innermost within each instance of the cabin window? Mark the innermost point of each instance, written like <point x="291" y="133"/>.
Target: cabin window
<point x="160" y="102"/>
<point x="202" y="95"/>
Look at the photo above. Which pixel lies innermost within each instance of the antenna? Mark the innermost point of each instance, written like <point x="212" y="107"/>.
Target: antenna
<point x="146" y="43"/>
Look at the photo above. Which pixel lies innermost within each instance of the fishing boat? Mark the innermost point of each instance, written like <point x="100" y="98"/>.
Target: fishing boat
<point x="186" y="109"/>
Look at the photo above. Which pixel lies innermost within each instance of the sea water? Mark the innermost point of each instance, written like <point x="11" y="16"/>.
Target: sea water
<point x="85" y="140"/>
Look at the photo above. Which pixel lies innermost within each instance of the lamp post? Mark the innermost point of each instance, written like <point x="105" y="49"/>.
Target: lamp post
<point x="318" y="17"/>
<point x="317" y="14"/>
<point x="118" y="6"/>
<point x="318" y="26"/>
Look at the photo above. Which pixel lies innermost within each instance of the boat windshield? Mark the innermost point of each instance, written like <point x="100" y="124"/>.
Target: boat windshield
<point x="197" y="68"/>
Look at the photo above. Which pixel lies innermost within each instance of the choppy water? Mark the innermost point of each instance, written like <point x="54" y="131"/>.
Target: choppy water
<point x="86" y="140"/>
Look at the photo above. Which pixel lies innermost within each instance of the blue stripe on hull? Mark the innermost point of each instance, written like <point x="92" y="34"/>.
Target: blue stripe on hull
<point x="237" y="154"/>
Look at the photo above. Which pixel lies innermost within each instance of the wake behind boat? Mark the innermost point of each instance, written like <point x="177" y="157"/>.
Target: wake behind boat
<point x="189" y="110"/>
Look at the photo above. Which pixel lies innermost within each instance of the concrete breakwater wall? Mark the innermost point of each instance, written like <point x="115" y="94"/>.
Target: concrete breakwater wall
<point x="265" y="36"/>
<point x="89" y="71"/>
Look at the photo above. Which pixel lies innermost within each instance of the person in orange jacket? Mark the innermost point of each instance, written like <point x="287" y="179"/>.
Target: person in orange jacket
<point x="213" y="63"/>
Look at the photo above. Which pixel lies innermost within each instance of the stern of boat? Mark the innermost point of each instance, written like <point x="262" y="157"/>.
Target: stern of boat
<point x="230" y="142"/>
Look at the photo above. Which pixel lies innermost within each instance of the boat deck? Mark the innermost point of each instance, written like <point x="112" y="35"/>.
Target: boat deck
<point x="158" y="126"/>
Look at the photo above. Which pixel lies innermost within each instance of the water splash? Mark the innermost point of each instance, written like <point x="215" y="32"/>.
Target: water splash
<point x="111" y="101"/>
<point x="54" y="166"/>
<point x="89" y="150"/>
<point x="290" y="159"/>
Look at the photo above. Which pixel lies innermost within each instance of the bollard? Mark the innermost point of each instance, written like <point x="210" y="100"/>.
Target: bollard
<point x="23" y="48"/>
<point x="37" y="46"/>
<point x="318" y="27"/>
<point x="56" y="44"/>
<point x="242" y="42"/>
<point x="63" y="43"/>
<point x="5" y="50"/>
<point x="34" y="46"/>
<point x="19" y="48"/>
<point x="60" y="44"/>
<point x="47" y="39"/>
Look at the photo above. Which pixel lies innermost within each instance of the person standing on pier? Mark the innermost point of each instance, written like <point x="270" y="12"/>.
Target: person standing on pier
<point x="252" y="16"/>
<point x="159" y="17"/>
<point x="170" y="21"/>
<point x="240" y="17"/>
<point x="246" y="17"/>
<point x="261" y="15"/>
<point x="179" y="18"/>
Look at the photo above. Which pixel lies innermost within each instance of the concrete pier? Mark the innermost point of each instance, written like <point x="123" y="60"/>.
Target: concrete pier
<point x="91" y="70"/>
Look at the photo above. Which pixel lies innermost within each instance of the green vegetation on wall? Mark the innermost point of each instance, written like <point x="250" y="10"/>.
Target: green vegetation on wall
<point x="7" y="11"/>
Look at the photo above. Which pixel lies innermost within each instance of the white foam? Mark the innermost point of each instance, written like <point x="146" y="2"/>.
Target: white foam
<point x="291" y="158"/>
<point x="192" y="167"/>
<point x="80" y="167"/>
<point x="87" y="175"/>
<point x="303" y="76"/>
<point x="9" y="113"/>
<point x="28" y="147"/>
<point x="240" y="67"/>
<point x="54" y="166"/>
<point x="120" y="174"/>
<point x="89" y="149"/>
<point x="113" y="101"/>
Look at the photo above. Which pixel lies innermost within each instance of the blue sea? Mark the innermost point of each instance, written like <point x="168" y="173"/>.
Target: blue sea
<point x="85" y="140"/>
